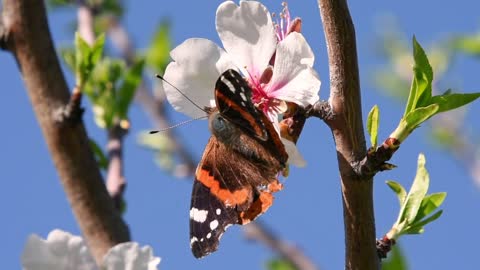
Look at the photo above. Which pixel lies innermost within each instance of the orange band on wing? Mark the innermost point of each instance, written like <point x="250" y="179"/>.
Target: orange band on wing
<point x="258" y="207"/>
<point x="229" y="198"/>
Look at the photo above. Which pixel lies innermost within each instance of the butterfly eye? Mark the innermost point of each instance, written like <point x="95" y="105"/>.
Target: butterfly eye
<point x="218" y="124"/>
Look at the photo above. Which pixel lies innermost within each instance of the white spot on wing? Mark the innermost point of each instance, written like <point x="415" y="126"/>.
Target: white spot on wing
<point x="218" y="211"/>
<point x="214" y="224"/>
<point x="198" y="215"/>
<point x="201" y="240"/>
<point x="229" y="84"/>
<point x="209" y="235"/>
<point x="193" y="240"/>
<point x="242" y="95"/>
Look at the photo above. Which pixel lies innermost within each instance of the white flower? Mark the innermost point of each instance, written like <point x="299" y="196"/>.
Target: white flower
<point x="251" y="45"/>
<point x="63" y="250"/>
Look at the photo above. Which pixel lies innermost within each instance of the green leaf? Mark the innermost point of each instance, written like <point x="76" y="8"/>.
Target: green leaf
<point x="399" y="190"/>
<point x="429" y="204"/>
<point x="421" y="89"/>
<point x="97" y="49"/>
<point x="416" y="117"/>
<point x="372" y="125"/>
<point x="418" y="227"/>
<point x="280" y="264"/>
<point x="396" y="260"/>
<point x="128" y="88"/>
<point x="158" y="53"/>
<point x="101" y="158"/>
<point x="86" y="57"/>
<point x="82" y="51"/>
<point x="416" y="194"/>
<point x="412" y="120"/>
<point x="447" y="102"/>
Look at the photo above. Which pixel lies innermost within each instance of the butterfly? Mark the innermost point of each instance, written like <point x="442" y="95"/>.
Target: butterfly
<point x="239" y="169"/>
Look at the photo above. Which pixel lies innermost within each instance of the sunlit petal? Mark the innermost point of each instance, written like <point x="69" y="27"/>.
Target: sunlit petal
<point x="197" y="64"/>
<point x="247" y="34"/>
<point x="293" y="78"/>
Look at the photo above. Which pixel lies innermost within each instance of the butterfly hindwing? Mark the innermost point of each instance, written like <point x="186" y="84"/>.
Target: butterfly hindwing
<point x="209" y="219"/>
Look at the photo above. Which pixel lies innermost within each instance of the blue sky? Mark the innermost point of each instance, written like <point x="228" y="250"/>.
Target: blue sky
<point x="308" y="211"/>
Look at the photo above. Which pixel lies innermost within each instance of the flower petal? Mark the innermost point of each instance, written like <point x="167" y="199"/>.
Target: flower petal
<point x="61" y="250"/>
<point x="294" y="156"/>
<point x="129" y="256"/>
<point x="247" y="34"/>
<point x="293" y="78"/>
<point x="197" y="65"/>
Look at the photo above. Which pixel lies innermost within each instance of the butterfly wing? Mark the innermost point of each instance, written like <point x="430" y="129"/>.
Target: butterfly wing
<point x="233" y="97"/>
<point x="238" y="172"/>
<point x="229" y="188"/>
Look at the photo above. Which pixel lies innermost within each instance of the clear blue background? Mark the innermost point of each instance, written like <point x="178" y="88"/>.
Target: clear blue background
<point x="308" y="211"/>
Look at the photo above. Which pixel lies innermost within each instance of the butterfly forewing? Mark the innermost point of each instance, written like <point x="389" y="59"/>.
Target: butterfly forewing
<point x="233" y="97"/>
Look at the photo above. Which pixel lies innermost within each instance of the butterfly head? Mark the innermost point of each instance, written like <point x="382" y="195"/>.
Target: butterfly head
<point x="223" y="129"/>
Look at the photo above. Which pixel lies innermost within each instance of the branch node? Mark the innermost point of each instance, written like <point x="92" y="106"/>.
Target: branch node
<point x="384" y="246"/>
<point x="72" y="112"/>
<point x="376" y="159"/>
<point x="322" y="110"/>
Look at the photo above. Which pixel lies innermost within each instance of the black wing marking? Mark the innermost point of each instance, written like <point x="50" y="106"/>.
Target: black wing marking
<point x="233" y="97"/>
<point x="209" y="218"/>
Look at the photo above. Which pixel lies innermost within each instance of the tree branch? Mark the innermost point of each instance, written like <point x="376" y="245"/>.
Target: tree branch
<point x="31" y="44"/>
<point x="257" y="231"/>
<point x="347" y="129"/>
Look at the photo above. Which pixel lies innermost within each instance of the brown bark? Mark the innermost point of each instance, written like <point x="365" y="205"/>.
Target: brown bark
<point x="27" y="36"/>
<point x="348" y="132"/>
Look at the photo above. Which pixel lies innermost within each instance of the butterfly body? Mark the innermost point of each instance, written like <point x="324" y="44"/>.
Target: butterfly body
<point x="238" y="172"/>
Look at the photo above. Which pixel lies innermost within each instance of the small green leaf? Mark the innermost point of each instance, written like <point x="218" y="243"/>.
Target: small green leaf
<point x="412" y="120"/>
<point x="280" y="264"/>
<point x="82" y="51"/>
<point x="418" y="227"/>
<point x="416" y="117"/>
<point x="416" y="194"/>
<point x="86" y="57"/>
<point x="447" y="102"/>
<point x="399" y="190"/>
<point x="158" y="54"/>
<point x="422" y="66"/>
<point x="97" y="49"/>
<point x="126" y="92"/>
<point x="372" y="125"/>
<point x="421" y="89"/>
<point x="429" y="204"/>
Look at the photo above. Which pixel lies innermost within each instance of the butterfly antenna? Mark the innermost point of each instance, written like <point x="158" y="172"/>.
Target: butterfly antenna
<point x="185" y="96"/>
<point x="177" y="125"/>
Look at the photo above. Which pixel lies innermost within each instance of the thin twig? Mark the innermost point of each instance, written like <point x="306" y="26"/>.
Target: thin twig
<point x="153" y="106"/>
<point x="348" y="133"/>
<point x="31" y="44"/>
<point x="115" y="181"/>
<point x="259" y="232"/>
